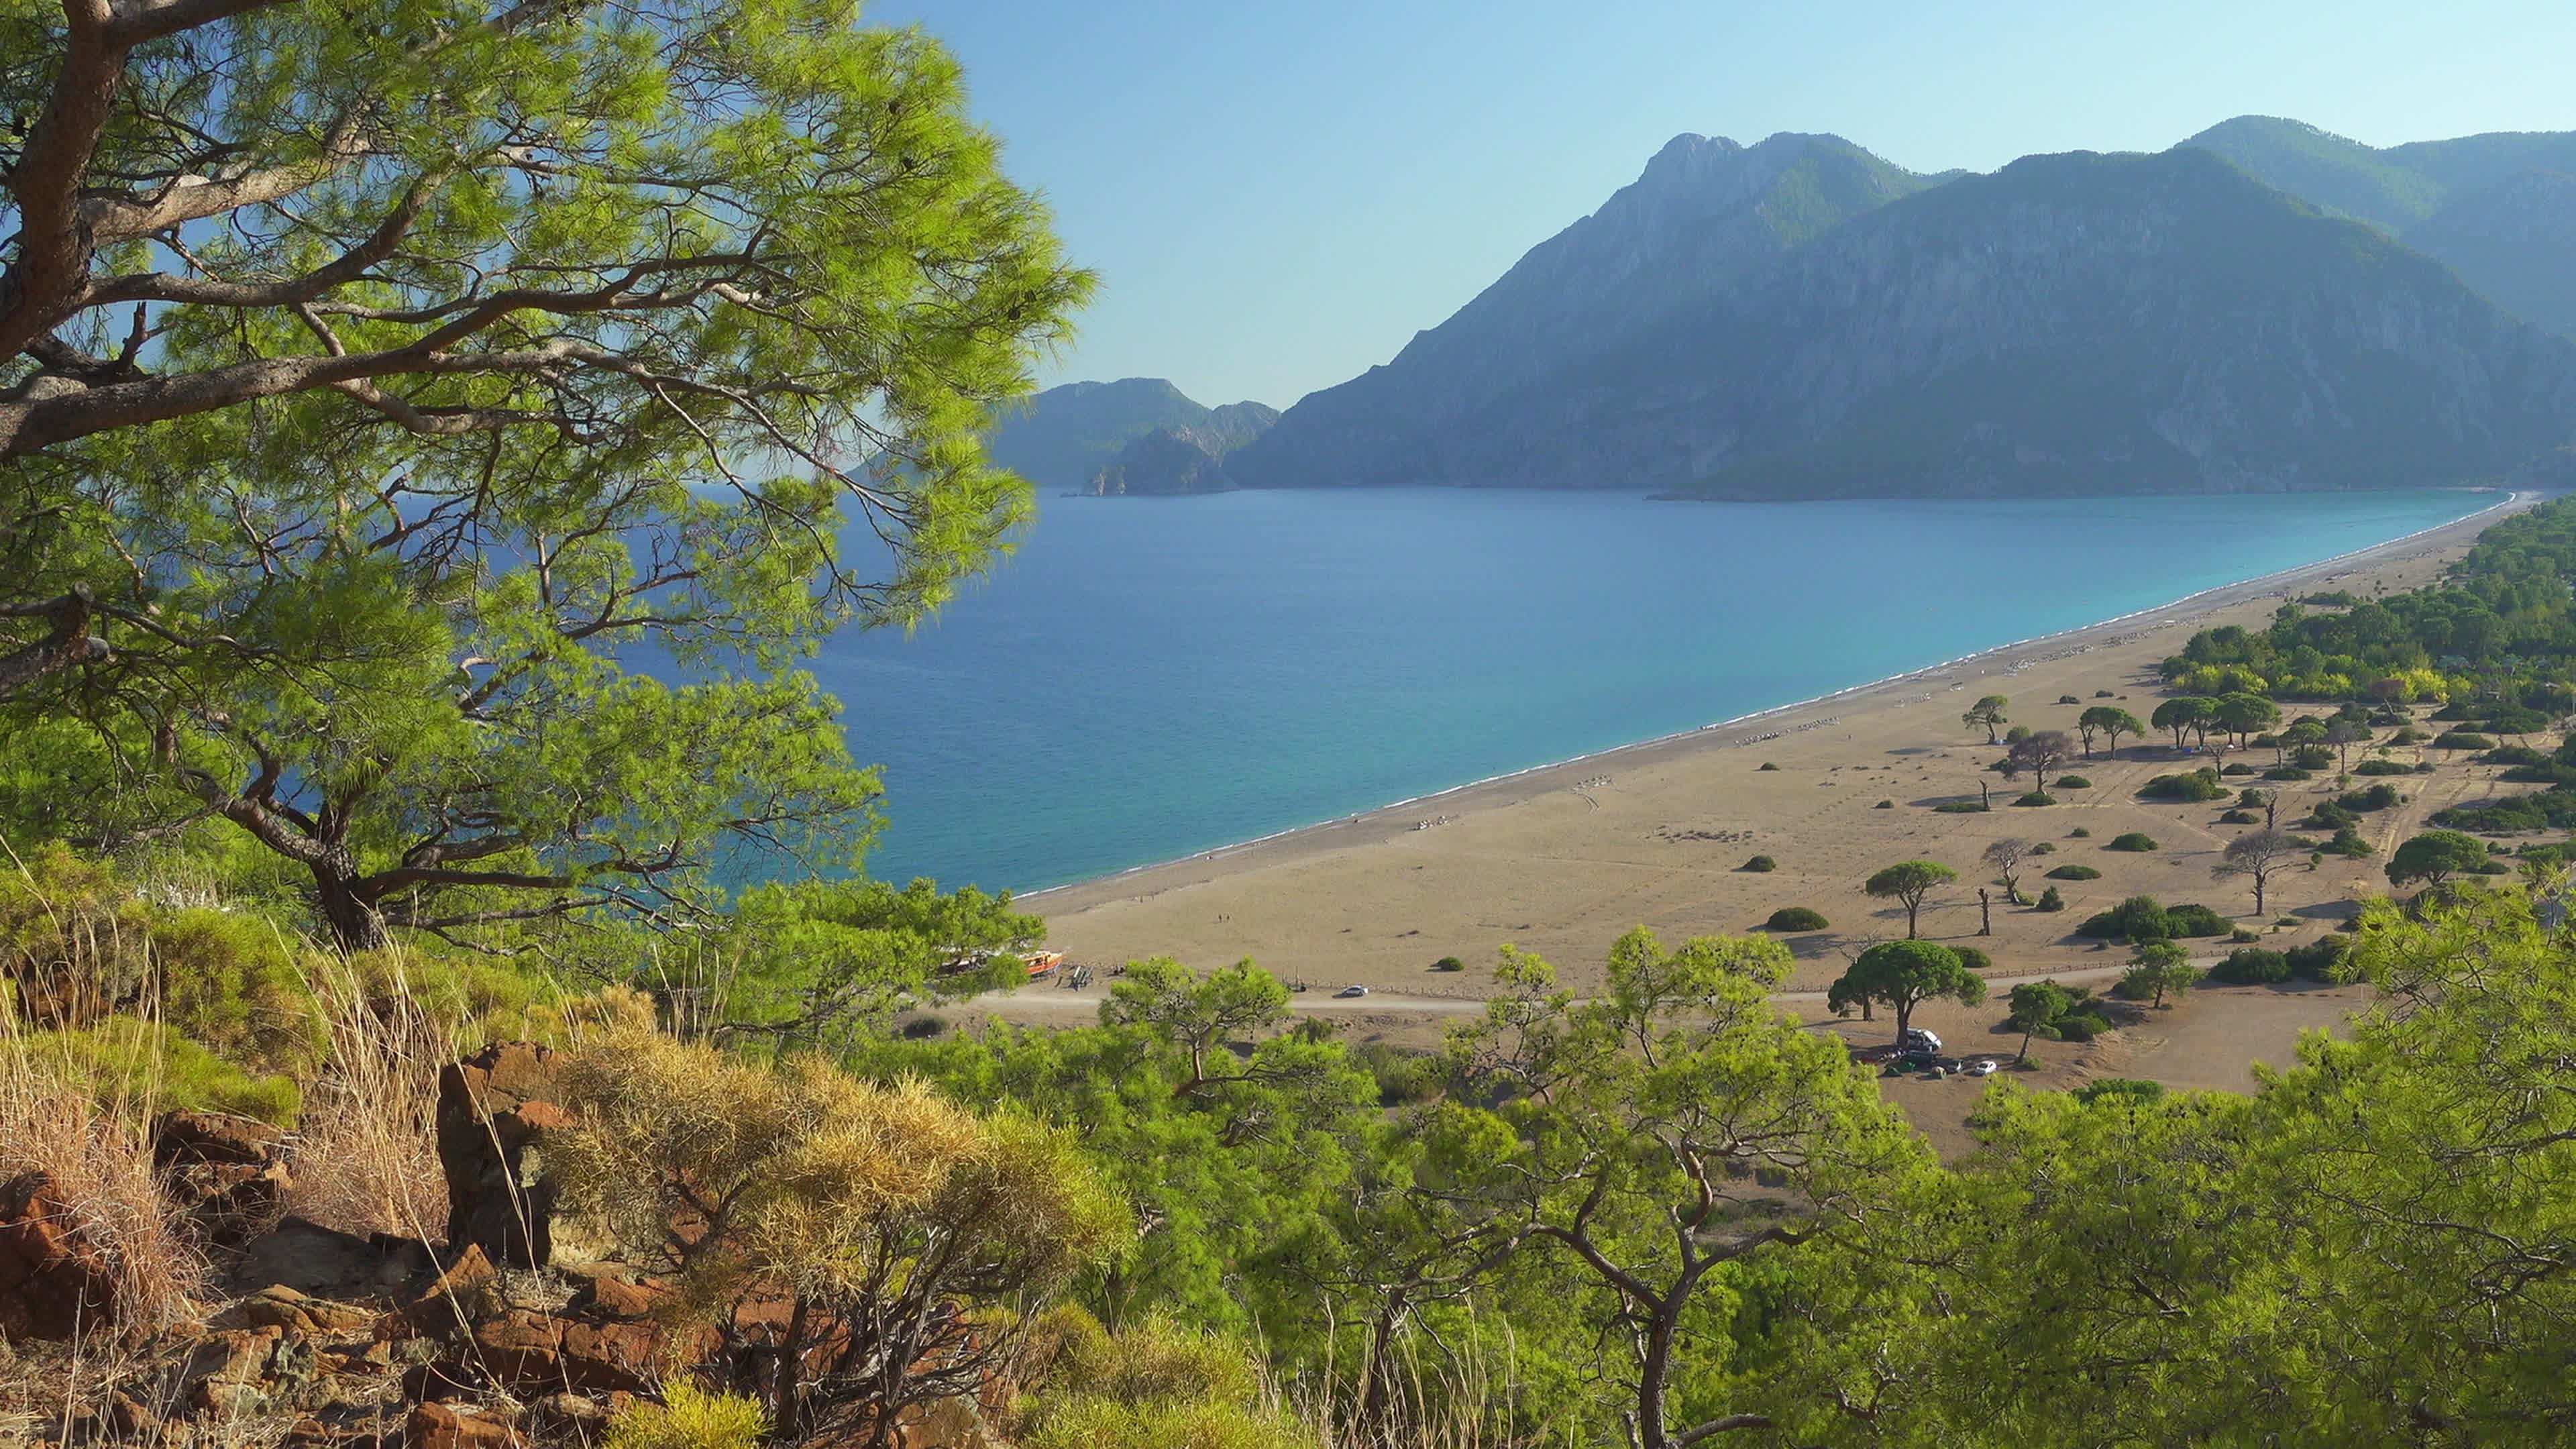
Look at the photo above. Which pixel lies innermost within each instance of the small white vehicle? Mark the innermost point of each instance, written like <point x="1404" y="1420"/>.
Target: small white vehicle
<point x="1985" y="1068"/>
<point x="1916" y="1039"/>
<point x="1352" y="991"/>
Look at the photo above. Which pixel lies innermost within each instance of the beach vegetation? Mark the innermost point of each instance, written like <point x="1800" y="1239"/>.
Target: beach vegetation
<point x="2239" y="817"/>
<point x="2195" y="787"/>
<point x="2186" y="714"/>
<point x="2043" y="847"/>
<point x="2382" y="796"/>
<point x="2073" y="782"/>
<point x="2050" y="900"/>
<point x="1448" y="963"/>
<point x="2236" y="769"/>
<point x="2251" y="966"/>
<point x="2288" y="774"/>
<point x="1909" y="882"/>
<point x="2068" y="699"/>
<point x="2036" y="1007"/>
<point x="2072" y="871"/>
<point x="1902" y="975"/>
<point x="1961" y="807"/>
<point x="1986" y="714"/>
<point x="2131" y="840"/>
<point x="1795" y="918"/>
<point x="2143" y="918"/>
<point x="2157" y="969"/>
<point x="1766" y="766"/>
<point x="2383" y="767"/>
<point x="2034" y="798"/>
<point x="1884" y="805"/>
<point x="1759" y="864"/>
<point x="2462" y="740"/>
<point x="2434" y="856"/>
<point x="2258" y="857"/>
<point x="2079" y="833"/>
<point x="2040" y="753"/>
<point x="2005" y="857"/>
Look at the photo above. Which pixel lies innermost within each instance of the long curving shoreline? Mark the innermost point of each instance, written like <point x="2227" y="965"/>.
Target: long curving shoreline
<point x="1563" y="857"/>
<point x="2082" y="637"/>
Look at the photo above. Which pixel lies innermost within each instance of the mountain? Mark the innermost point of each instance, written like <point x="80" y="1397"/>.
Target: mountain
<point x="1061" y="437"/>
<point x="1705" y="217"/>
<point x="2075" y="323"/>
<point x="2495" y="208"/>
<point x="2515" y="242"/>
<point x="1164" y="462"/>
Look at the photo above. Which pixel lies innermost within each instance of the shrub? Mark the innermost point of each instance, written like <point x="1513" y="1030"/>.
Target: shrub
<point x="2462" y="740"/>
<point x="1759" y="864"/>
<point x="2083" y="1026"/>
<point x="924" y="1027"/>
<point x="1767" y="765"/>
<point x="2331" y="815"/>
<point x="1795" y="918"/>
<point x="1884" y="805"/>
<point x="2288" y="772"/>
<point x="2381" y="796"/>
<point x="2244" y="936"/>
<point x="1960" y="807"/>
<point x="2313" y="757"/>
<point x="2383" y="767"/>
<point x="2132" y="840"/>
<point x="2073" y="782"/>
<point x="1448" y="963"/>
<point x="2201" y="784"/>
<point x="2408" y="735"/>
<point x="2240" y="817"/>
<point x="2050" y="900"/>
<point x="2068" y="699"/>
<point x="2132" y="1089"/>
<point x="128" y="1060"/>
<point x="2318" y="960"/>
<point x="2079" y="833"/>
<point x="689" y="1418"/>
<point x="2190" y="920"/>
<point x="2044" y="848"/>
<point x="2036" y="798"/>
<point x="2139" y="918"/>
<point x="2239" y="768"/>
<point x="2071" y="871"/>
<point x="2103" y="694"/>
<point x="2504" y="755"/>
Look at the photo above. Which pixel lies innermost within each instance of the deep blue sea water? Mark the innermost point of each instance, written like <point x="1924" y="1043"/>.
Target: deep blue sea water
<point x="1149" y="678"/>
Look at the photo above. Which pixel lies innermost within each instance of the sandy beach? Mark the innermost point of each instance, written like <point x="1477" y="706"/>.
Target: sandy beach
<point x="1563" y="859"/>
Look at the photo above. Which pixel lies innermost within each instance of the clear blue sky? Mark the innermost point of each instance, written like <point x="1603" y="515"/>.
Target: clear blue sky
<point x="1279" y="193"/>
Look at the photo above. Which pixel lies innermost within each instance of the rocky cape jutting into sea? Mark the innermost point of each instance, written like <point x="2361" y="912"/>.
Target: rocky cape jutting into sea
<point x="1800" y="319"/>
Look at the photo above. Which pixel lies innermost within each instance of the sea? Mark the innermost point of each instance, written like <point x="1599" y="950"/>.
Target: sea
<point x="1148" y="678"/>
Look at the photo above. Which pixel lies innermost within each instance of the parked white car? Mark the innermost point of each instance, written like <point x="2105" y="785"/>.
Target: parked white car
<point x="1985" y="1068"/>
<point x="1352" y="991"/>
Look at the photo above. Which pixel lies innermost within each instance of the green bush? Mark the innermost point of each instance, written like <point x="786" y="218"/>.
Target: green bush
<point x="2130" y="1089"/>
<point x="126" y="1060"/>
<point x="1448" y="963"/>
<point x="2073" y="782"/>
<point x="1884" y="805"/>
<point x="2319" y="959"/>
<point x="2079" y="833"/>
<point x="2132" y="840"/>
<point x="1759" y="864"/>
<point x="2381" y="796"/>
<point x="2199" y="785"/>
<point x="2382" y="767"/>
<point x="2083" y="1026"/>
<point x="2244" y="936"/>
<point x="1767" y="765"/>
<point x="2288" y="772"/>
<point x="689" y="1418"/>
<point x="1960" y="807"/>
<point x="2240" y="817"/>
<point x="2462" y="740"/>
<point x="2072" y="871"/>
<point x="2068" y="699"/>
<point x="2500" y="755"/>
<point x="1795" y="918"/>
<point x="2035" y="798"/>
<point x="2239" y="768"/>
<point x="2142" y="919"/>
<point x="2050" y="900"/>
<point x="2408" y="735"/>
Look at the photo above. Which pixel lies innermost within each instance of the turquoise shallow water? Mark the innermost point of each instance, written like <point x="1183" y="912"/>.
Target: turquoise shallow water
<point x="1153" y="677"/>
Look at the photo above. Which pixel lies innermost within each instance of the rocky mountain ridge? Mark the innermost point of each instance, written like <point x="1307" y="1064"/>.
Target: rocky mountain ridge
<point x="2076" y="323"/>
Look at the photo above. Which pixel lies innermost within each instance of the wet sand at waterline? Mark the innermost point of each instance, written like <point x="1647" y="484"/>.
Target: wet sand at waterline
<point x="1563" y="859"/>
